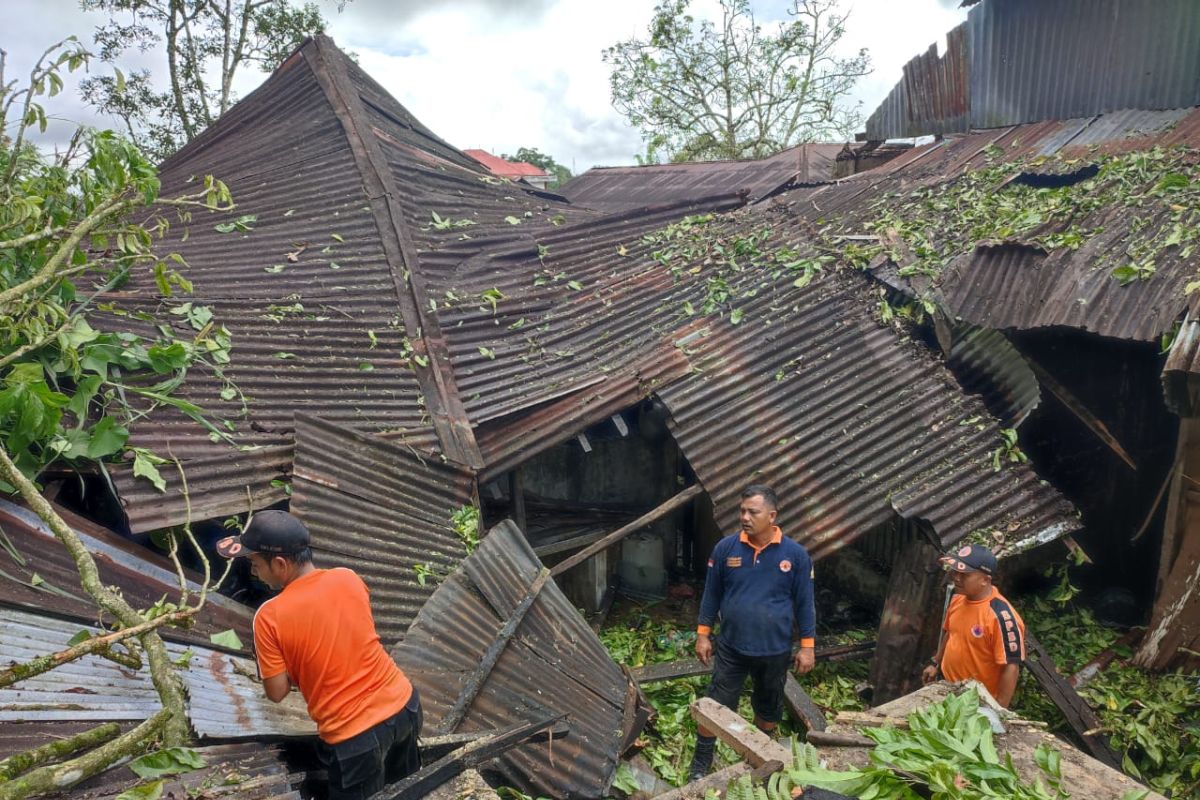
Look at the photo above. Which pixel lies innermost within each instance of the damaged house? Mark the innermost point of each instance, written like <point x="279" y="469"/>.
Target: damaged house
<point x="414" y="337"/>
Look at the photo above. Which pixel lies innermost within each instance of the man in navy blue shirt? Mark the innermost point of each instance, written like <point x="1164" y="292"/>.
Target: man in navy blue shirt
<point x="760" y="585"/>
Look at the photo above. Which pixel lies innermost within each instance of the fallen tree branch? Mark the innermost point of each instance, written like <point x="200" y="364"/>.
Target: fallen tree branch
<point x="97" y="644"/>
<point x="57" y="777"/>
<point x="19" y="763"/>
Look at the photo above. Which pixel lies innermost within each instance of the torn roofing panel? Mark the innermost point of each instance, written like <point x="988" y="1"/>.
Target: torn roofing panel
<point x="987" y="364"/>
<point x="554" y="664"/>
<point x="627" y="188"/>
<point x="38" y="574"/>
<point x="1019" y="61"/>
<point x="224" y="701"/>
<point x="241" y="771"/>
<point x="849" y="423"/>
<point x="382" y="510"/>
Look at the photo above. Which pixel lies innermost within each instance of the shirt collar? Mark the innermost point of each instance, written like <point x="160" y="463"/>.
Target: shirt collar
<point x="776" y="538"/>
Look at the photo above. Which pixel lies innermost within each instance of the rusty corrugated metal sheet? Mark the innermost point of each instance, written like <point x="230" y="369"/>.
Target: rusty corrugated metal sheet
<point x="1019" y="61"/>
<point x="1181" y="372"/>
<point x="223" y="702"/>
<point x="380" y="509"/>
<point x="627" y="188"/>
<point x="851" y="426"/>
<point x="554" y="664"/>
<point x="142" y="575"/>
<point x="987" y="364"/>
<point x="241" y="771"/>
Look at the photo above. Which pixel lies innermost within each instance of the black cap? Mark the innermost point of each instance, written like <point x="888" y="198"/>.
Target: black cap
<point x="971" y="558"/>
<point x="273" y="533"/>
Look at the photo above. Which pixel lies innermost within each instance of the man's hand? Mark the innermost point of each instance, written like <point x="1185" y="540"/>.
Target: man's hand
<point x="929" y="674"/>
<point x="805" y="660"/>
<point x="704" y="648"/>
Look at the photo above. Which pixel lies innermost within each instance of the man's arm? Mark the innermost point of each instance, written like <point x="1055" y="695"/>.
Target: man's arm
<point x="929" y="674"/>
<point x="710" y="604"/>
<point x="277" y="687"/>
<point x="806" y="615"/>
<point x="1008" y="683"/>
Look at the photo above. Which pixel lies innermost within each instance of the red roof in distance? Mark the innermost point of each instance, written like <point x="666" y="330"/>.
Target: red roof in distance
<point x="513" y="170"/>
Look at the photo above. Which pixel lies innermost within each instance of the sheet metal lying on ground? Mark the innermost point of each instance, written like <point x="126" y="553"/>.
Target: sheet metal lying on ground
<point x="222" y="701"/>
<point x="381" y="510"/>
<point x="1017" y="61"/>
<point x="553" y="664"/>
<point x="627" y="188"/>
<point x="1011" y="285"/>
<point x="241" y="771"/>
<point x="142" y="576"/>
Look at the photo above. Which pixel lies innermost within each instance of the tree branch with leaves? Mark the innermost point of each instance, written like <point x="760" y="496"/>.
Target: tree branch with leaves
<point x="700" y="91"/>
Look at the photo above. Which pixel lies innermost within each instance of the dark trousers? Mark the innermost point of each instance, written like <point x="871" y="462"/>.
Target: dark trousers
<point x="363" y="764"/>
<point x="767" y="676"/>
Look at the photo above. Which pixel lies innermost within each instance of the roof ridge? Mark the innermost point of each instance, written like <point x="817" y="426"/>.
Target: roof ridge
<point x="437" y="380"/>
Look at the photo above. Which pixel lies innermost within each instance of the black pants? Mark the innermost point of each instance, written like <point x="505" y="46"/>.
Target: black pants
<point x="767" y="676"/>
<point x="363" y="764"/>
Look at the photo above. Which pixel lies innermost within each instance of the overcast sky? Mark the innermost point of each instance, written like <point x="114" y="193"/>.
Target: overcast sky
<point x="502" y="74"/>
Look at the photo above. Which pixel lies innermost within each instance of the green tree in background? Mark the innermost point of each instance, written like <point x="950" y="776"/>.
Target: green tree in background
<point x="700" y="91"/>
<point x="206" y="43"/>
<point x="531" y="155"/>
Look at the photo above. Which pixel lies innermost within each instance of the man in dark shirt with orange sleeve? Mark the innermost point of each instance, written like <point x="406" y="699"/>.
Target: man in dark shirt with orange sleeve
<point x="318" y="635"/>
<point x="759" y="584"/>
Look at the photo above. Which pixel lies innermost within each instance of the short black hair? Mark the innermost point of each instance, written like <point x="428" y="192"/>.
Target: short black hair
<point x="765" y="492"/>
<point x="299" y="558"/>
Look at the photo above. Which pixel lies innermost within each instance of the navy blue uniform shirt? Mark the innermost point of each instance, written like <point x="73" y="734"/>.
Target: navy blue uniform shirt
<point x="760" y="595"/>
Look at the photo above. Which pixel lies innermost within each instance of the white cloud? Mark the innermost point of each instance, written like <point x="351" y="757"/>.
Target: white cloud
<point x="503" y="74"/>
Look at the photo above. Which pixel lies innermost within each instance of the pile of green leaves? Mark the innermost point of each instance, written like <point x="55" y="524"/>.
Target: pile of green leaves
<point x="1158" y="189"/>
<point x="1153" y="720"/>
<point x="946" y="750"/>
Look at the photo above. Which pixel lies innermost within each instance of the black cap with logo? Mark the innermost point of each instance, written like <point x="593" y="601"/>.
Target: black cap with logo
<point x="971" y="558"/>
<point x="271" y="533"/>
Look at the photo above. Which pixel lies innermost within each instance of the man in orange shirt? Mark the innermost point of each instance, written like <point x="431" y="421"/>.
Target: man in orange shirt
<point x="318" y="635"/>
<point x="983" y="635"/>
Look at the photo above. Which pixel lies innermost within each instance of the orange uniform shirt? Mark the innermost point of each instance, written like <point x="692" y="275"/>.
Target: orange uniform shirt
<point x="981" y="637"/>
<point x="319" y="630"/>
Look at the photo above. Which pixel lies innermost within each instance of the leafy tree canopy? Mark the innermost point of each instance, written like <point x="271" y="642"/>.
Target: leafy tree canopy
<point x="531" y="155"/>
<point x="701" y="91"/>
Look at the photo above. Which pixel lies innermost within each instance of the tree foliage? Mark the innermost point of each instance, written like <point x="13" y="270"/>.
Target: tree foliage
<point x="206" y="43"/>
<point x="531" y="155"/>
<point x="702" y="91"/>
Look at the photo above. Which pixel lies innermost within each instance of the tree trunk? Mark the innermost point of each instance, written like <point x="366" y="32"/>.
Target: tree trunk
<point x="18" y="763"/>
<point x="908" y="632"/>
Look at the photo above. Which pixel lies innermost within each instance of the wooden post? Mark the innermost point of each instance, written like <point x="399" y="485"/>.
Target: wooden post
<point x="912" y="618"/>
<point x="746" y="740"/>
<point x="471" y="688"/>
<point x="516" y="494"/>
<point x="801" y="706"/>
<point x="619" y="534"/>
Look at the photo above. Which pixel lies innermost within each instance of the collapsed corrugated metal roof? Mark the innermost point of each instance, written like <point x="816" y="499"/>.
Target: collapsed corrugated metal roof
<point x="553" y="664"/>
<point x="38" y="574"/>
<point x="381" y="510"/>
<point x="1020" y="61"/>
<point x="225" y="699"/>
<point x="1032" y="282"/>
<point x="626" y="188"/>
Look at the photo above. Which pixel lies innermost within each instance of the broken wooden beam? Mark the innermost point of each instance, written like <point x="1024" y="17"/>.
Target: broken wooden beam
<point x="691" y="667"/>
<point x="420" y="783"/>
<point x="1078" y="713"/>
<point x="911" y="621"/>
<point x="1076" y="407"/>
<point x="475" y="682"/>
<point x="1105" y="657"/>
<point x="801" y="706"/>
<point x="645" y="519"/>
<point x="435" y="747"/>
<point x="827" y="739"/>
<point x="756" y="747"/>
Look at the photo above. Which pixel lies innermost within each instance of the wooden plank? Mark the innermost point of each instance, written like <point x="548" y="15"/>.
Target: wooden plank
<point x="717" y="780"/>
<point x="801" y="706"/>
<point x="827" y="739"/>
<point x="471" y="688"/>
<point x="566" y="545"/>
<point x="645" y="519"/>
<point x="420" y="783"/>
<point x="1075" y="709"/>
<point x="1076" y="407"/>
<point x="691" y="667"/>
<point x="746" y="740"/>
<point x="911" y="621"/>
<point x="435" y="747"/>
